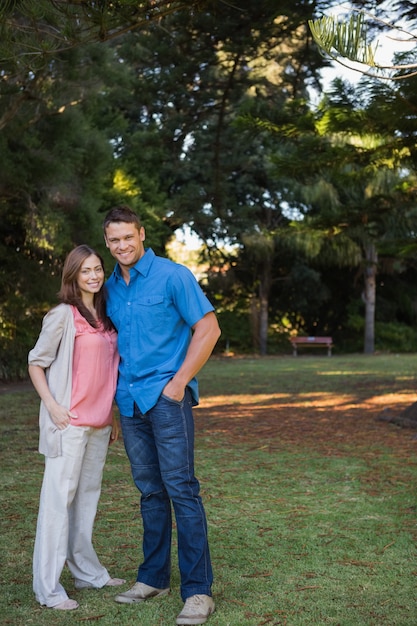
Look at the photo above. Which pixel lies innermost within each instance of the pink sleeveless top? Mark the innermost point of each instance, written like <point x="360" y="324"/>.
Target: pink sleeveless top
<point x="94" y="373"/>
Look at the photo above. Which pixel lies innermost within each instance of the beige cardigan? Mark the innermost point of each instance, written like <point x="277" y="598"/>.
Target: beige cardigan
<point x="54" y="353"/>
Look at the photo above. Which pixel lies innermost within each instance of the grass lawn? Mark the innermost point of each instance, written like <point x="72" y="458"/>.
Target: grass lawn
<point x="311" y="500"/>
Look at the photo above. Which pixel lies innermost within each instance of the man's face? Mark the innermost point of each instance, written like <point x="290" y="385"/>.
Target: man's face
<point x="125" y="243"/>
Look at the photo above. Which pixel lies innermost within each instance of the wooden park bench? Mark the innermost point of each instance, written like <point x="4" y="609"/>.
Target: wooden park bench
<point x="312" y="342"/>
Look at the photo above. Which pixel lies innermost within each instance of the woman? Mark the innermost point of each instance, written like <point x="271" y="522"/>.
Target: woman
<point x="73" y="367"/>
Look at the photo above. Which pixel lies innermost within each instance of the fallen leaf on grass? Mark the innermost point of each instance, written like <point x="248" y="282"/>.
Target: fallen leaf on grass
<point x="358" y="563"/>
<point x="237" y="602"/>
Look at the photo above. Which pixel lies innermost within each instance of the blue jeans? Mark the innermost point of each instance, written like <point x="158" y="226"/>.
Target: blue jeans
<point x="160" y="447"/>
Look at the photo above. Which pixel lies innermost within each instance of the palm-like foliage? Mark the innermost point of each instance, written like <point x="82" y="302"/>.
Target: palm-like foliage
<point x="347" y="40"/>
<point x="344" y="39"/>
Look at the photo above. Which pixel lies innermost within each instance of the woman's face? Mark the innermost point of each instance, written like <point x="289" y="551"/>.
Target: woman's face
<point x="91" y="275"/>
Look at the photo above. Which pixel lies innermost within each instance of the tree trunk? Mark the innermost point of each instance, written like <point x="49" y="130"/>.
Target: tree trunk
<point x="263" y="324"/>
<point x="264" y="291"/>
<point x="369" y="296"/>
<point x="254" y="322"/>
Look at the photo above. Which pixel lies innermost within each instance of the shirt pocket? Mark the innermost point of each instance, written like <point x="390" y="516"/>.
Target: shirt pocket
<point x="152" y="311"/>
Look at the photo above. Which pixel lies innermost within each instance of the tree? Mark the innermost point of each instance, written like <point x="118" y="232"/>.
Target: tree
<point x="56" y="167"/>
<point x="358" y="195"/>
<point x="193" y="80"/>
<point x="34" y="33"/>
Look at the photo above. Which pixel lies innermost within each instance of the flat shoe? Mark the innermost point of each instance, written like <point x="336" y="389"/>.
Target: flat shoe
<point x="115" y="582"/>
<point x="67" y="605"/>
<point x="112" y="582"/>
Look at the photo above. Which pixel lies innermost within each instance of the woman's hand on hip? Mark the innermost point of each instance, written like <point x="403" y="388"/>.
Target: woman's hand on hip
<point x="61" y="416"/>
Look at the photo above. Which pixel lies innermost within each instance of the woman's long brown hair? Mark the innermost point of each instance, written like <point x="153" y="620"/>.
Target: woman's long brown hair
<point x="70" y="292"/>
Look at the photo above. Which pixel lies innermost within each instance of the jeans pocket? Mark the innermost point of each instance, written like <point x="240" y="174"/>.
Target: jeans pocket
<point x="172" y="401"/>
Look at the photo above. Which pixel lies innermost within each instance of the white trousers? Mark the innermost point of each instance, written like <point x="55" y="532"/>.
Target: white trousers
<point x="68" y="505"/>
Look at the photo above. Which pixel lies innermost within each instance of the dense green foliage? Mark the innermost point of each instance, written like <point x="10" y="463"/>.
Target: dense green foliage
<point x="203" y="118"/>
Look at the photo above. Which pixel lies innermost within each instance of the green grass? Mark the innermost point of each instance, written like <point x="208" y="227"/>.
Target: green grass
<point x="298" y="536"/>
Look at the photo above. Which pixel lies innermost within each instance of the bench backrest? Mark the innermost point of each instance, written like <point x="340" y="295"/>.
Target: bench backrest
<point x="323" y="340"/>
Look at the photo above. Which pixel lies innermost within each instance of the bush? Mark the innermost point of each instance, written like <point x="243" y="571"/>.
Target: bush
<point x="13" y="362"/>
<point x="395" y="337"/>
<point x="236" y="332"/>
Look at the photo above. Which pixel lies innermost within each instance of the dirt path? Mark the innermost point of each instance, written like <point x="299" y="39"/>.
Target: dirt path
<point x="18" y="387"/>
<point x="325" y="423"/>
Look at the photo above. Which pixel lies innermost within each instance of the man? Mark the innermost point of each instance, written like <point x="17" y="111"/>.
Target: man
<point x="166" y="332"/>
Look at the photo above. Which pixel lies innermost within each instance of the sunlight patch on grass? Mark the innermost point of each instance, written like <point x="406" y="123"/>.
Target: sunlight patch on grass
<point x="395" y="399"/>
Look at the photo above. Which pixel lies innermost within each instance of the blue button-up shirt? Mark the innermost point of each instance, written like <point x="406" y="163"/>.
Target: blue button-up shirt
<point x="153" y="316"/>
